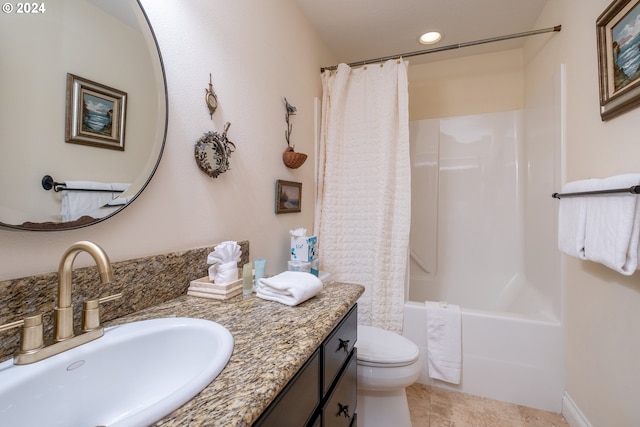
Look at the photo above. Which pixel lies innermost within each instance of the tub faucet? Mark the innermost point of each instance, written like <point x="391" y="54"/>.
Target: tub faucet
<point x="63" y="327"/>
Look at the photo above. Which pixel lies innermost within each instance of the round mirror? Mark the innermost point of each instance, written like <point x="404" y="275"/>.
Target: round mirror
<point x="83" y="111"/>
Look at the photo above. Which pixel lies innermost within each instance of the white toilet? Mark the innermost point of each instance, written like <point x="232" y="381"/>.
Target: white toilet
<point x="387" y="364"/>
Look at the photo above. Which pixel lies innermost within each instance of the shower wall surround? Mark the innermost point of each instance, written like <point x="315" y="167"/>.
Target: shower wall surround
<point x="480" y="200"/>
<point x="465" y="201"/>
<point x="144" y="282"/>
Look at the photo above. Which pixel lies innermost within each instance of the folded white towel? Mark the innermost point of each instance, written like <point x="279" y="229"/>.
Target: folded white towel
<point x="120" y="201"/>
<point x="224" y="273"/>
<point x="78" y="203"/>
<point x="613" y="225"/>
<point x="289" y="287"/>
<point x="572" y="219"/>
<point x="444" y="341"/>
<point x="120" y="187"/>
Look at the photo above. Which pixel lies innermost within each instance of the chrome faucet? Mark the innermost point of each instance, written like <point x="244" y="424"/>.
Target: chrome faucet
<point x="32" y="347"/>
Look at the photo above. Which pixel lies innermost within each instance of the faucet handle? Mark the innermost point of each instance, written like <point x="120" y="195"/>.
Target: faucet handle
<point x="31" y="337"/>
<point x="109" y="298"/>
<point x="8" y="326"/>
<point x="91" y="312"/>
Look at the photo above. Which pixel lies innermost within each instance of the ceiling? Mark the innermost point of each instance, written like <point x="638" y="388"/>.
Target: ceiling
<point x="357" y="30"/>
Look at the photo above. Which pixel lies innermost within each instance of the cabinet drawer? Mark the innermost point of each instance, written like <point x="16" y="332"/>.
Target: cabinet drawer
<point x="338" y="347"/>
<point x="296" y="404"/>
<point x="340" y="408"/>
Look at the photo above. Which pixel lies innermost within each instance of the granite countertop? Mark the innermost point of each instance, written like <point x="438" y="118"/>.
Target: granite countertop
<point x="271" y="343"/>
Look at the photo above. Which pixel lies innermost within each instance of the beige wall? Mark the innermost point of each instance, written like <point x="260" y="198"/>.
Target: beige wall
<point x="257" y="53"/>
<point x="471" y="85"/>
<point x="601" y="307"/>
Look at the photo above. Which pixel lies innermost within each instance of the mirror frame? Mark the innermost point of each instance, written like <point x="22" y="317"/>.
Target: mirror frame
<point x="61" y="226"/>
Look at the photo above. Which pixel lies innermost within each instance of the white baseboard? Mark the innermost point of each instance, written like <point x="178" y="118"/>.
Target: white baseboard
<point x="572" y="413"/>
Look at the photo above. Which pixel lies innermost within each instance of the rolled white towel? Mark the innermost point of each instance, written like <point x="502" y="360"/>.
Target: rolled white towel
<point x="224" y="273"/>
<point x="289" y="287"/>
<point x="223" y="261"/>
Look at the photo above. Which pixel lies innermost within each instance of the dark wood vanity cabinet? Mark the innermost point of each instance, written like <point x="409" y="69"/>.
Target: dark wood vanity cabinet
<point x="338" y="409"/>
<point x="339" y="373"/>
<point x="323" y="392"/>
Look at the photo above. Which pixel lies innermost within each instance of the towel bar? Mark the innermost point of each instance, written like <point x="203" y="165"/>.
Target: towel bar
<point x="48" y="183"/>
<point x="633" y="190"/>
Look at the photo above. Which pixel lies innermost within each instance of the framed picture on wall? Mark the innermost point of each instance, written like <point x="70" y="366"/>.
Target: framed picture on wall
<point x="288" y="196"/>
<point x="95" y="114"/>
<point x="618" y="31"/>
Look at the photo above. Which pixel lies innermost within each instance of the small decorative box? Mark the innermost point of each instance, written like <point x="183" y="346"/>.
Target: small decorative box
<point x="205" y="288"/>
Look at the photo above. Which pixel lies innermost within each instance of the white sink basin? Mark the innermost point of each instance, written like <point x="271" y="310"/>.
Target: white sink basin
<point x="133" y="376"/>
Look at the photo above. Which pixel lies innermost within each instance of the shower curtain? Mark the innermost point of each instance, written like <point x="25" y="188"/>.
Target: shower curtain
<point x="363" y="206"/>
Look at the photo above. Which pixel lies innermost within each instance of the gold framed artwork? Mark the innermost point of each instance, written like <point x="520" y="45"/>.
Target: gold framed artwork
<point x="95" y="114"/>
<point x="618" y="31"/>
<point x="288" y="196"/>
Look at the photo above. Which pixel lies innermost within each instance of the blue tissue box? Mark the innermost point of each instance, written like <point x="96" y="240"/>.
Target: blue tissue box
<point x="303" y="248"/>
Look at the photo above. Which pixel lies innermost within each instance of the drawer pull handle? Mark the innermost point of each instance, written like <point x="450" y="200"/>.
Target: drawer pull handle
<point x="343" y="410"/>
<point x="344" y="345"/>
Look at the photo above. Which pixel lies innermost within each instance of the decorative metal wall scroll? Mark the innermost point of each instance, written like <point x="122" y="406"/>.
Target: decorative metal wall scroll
<point x="213" y="151"/>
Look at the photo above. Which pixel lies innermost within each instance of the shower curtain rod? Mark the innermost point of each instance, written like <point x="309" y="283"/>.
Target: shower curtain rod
<point x="449" y="47"/>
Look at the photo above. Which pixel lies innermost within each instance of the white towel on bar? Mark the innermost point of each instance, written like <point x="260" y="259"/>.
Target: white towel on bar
<point x="289" y="287"/>
<point x="572" y="219"/>
<point x="78" y="203"/>
<point x="613" y="225"/>
<point x="444" y="341"/>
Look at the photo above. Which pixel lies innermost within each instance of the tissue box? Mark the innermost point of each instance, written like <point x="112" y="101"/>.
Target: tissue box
<point x="303" y="266"/>
<point x="303" y="248"/>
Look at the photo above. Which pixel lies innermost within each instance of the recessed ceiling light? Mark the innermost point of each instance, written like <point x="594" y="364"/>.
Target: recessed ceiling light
<point x="430" y="38"/>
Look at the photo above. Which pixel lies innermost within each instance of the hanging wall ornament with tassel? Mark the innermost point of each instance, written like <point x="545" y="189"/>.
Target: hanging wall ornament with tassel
<point x="290" y="157"/>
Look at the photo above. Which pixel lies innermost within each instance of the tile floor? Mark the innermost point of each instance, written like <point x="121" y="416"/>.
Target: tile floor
<point x="437" y="407"/>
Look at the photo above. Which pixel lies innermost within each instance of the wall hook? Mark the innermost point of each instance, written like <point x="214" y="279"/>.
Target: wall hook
<point x="210" y="98"/>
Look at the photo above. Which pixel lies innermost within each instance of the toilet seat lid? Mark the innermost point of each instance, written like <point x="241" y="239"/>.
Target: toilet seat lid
<point x="379" y="346"/>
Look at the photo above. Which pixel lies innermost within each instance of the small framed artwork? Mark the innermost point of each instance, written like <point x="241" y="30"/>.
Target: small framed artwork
<point x="288" y="196"/>
<point x="95" y="114"/>
<point x="619" y="57"/>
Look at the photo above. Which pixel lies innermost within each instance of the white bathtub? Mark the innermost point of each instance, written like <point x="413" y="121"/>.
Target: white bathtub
<point x="505" y="356"/>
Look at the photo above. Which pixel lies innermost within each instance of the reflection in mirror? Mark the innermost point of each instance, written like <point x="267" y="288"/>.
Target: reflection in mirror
<point x="105" y="41"/>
